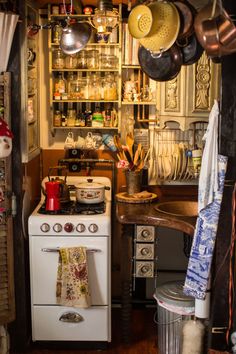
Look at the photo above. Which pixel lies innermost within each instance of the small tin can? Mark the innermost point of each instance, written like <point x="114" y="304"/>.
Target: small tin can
<point x="88" y="10"/>
<point x="55" y="10"/>
<point x="70" y="9"/>
<point x="62" y="9"/>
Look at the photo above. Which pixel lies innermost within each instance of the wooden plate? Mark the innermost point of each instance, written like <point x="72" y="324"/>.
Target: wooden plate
<point x="124" y="197"/>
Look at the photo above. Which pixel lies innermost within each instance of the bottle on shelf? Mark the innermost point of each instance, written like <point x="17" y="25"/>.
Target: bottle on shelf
<point x="97" y="118"/>
<point x="59" y="86"/>
<point x="56" y="34"/>
<point x="107" y="115"/>
<point x="57" y="118"/>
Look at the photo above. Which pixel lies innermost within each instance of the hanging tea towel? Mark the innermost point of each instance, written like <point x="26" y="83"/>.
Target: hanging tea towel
<point x="72" y="278"/>
<point x="210" y="193"/>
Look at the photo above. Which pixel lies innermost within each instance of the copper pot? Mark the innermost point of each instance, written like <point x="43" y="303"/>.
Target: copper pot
<point x="215" y="31"/>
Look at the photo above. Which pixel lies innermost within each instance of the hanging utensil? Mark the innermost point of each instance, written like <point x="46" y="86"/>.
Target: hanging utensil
<point x="162" y="67"/>
<point x="165" y="28"/>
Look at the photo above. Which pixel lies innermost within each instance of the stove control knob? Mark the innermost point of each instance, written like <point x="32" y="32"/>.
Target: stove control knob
<point x="69" y="227"/>
<point x="80" y="228"/>
<point x="93" y="228"/>
<point x="57" y="227"/>
<point x="45" y="227"/>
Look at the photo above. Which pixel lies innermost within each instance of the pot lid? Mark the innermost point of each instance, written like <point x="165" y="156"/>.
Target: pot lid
<point x="90" y="184"/>
<point x="172" y="293"/>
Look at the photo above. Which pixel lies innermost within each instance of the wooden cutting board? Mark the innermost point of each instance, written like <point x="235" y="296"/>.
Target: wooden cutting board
<point x="124" y="197"/>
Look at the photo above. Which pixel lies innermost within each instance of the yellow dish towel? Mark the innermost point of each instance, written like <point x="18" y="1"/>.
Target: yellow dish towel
<point x="72" y="278"/>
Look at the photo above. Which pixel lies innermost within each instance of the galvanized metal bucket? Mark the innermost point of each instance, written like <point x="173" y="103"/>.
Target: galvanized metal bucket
<point x="173" y="309"/>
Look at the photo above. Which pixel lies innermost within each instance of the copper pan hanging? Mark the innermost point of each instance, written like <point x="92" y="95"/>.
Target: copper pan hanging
<point x="215" y="30"/>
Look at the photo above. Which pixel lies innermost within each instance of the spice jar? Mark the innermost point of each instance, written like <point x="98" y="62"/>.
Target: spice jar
<point x="71" y="61"/>
<point x="110" y="87"/>
<point x="58" y="59"/>
<point x="82" y="60"/>
<point x="93" y="59"/>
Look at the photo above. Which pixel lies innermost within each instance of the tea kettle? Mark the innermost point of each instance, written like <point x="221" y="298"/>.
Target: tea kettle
<point x="52" y="195"/>
<point x="64" y="193"/>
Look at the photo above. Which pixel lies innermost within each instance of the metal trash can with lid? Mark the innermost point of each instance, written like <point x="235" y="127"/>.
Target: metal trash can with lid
<point x="173" y="308"/>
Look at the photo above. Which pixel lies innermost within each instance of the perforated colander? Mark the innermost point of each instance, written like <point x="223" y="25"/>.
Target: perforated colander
<point x="140" y="21"/>
<point x="165" y="27"/>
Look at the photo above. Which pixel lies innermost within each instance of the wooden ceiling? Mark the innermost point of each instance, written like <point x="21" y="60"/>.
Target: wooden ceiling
<point x="44" y="3"/>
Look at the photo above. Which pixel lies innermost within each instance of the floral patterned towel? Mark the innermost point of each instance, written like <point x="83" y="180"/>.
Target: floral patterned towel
<point x="200" y="260"/>
<point x="72" y="278"/>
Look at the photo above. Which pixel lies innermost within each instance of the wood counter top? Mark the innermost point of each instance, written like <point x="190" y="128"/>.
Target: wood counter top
<point x="146" y="214"/>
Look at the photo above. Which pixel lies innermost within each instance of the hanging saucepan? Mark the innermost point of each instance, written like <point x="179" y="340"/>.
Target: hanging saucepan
<point x="162" y="67"/>
<point x="187" y="14"/>
<point x="165" y="28"/>
<point x="192" y="51"/>
<point x="74" y="37"/>
<point x="215" y="30"/>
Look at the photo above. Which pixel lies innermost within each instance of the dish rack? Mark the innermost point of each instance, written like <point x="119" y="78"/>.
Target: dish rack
<point x="171" y="157"/>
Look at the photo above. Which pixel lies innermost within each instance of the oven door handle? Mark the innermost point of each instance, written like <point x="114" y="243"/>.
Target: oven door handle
<point x="71" y="317"/>
<point x="57" y="249"/>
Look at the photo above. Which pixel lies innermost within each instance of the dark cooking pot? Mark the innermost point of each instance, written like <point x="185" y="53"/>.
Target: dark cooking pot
<point x="187" y="14"/>
<point x="161" y="67"/>
<point x="192" y="51"/>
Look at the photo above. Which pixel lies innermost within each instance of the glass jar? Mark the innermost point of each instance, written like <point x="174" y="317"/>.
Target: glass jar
<point x="77" y="88"/>
<point x="58" y="59"/>
<point x="93" y="59"/>
<point x="110" y="88"/>
<point x="82" y="60"/>
<point x="108" y="61"/>
<point x="71" y="117"/>
<point x="71" y="61"/>
<point x="94" y="87"/>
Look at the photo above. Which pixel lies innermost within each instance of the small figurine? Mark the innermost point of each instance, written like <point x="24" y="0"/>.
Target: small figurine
<point x="5" y="139"/>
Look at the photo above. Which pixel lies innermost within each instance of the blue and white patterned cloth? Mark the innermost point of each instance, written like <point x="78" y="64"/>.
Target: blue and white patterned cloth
<point x="200" y="260"/>
<point x="210" y="193"/>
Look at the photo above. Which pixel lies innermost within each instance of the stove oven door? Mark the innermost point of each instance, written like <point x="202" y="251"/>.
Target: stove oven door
<point x="44" y="263"/>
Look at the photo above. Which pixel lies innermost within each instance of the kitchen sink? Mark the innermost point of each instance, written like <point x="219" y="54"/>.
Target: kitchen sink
<point x="178" y="208"/>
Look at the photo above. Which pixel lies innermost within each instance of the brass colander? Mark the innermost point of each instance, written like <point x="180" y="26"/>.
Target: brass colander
<point x="140" y="21"/>
<point x="165" y="27"/>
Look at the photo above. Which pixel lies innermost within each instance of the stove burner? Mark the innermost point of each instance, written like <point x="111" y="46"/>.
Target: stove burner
<point x="74" y="208"/>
